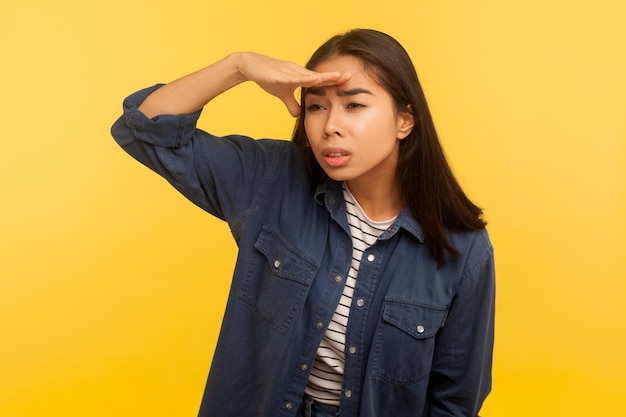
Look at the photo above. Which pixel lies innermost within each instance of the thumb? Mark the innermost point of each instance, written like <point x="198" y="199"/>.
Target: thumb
<point x="292" y="105"/>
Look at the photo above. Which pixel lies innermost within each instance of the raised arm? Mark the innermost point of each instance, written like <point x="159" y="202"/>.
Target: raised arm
<point x="279" y="78"/>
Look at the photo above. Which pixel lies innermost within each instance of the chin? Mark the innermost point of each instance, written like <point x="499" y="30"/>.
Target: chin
<point x="337" y="176"/>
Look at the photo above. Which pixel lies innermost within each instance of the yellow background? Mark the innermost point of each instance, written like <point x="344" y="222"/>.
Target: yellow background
<point x="112" y="286"/>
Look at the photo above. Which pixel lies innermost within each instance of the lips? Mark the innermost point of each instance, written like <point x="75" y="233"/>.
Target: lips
<point x="336" y="157"/>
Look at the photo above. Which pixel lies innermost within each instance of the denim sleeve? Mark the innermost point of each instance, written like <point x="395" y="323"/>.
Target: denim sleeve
<point x="220" y="175"/>
<point x="461" y="372"/>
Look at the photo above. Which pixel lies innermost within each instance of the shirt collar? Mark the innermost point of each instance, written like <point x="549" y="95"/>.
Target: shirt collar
<point x="329" y="193"/>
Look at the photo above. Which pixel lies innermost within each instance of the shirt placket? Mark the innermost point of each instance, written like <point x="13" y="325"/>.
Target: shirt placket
<point x="355" y="333"/>
<point x="324" y="309"/>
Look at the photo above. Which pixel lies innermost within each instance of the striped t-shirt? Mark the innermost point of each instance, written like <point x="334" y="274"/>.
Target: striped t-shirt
<point x="326" y="376"/>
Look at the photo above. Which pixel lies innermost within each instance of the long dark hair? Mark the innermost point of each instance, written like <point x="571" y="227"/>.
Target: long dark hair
<point x="427" y="185"/>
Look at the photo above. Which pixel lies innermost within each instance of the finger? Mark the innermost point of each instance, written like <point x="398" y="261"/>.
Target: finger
<point x="292" y="105"/>
<point x="327" y="79"/>
<point x="343" y="78"/>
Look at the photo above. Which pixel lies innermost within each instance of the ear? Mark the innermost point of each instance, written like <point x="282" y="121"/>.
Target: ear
<point x="406" y="121"/>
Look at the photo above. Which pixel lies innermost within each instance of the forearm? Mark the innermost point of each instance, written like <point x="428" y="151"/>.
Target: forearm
<point x="192" y="92"/>
<point x="279" y="78"/>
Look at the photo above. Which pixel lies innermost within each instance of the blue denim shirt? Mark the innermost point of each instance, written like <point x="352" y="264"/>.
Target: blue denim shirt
<point x="420" y="337"/>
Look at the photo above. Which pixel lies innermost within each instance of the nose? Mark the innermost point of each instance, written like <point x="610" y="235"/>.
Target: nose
<point x="332" y="127"/>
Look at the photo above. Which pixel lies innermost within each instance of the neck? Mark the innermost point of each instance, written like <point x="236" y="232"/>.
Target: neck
<point x="379" y="201"/>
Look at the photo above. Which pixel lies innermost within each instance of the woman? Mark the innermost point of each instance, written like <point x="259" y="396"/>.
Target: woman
<point x="364" y="284"/>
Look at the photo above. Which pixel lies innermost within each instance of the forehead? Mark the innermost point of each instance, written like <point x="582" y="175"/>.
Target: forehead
<point x="340" y="62"/>
<point x="346" y="63"/>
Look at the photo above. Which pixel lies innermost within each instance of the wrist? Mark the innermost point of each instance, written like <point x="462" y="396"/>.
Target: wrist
<point x="238" y="61"/>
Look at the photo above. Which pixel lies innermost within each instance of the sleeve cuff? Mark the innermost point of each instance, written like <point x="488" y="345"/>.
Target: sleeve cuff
<point x="165" y="130"/>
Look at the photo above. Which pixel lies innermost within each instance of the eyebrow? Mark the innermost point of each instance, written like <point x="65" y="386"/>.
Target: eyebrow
<point x="317" y="91"/>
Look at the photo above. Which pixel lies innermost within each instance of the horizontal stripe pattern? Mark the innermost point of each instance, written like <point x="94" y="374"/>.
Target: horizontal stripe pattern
<point x="326" y="376"/>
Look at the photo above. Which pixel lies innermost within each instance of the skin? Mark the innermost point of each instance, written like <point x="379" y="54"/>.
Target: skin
<point x="354" y="131"/>
<point x="355" y="137"/>
<point x="279" y="78"/>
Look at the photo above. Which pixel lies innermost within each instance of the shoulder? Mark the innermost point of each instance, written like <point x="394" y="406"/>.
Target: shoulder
<point x="240" y="152"/>
<point x="475" y="247"/>
<point x="271" y="146"/>
<point x="476" y="239"/>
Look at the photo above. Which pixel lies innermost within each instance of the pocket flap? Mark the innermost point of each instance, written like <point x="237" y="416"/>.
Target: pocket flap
<point x="417" y="319"/>
<point x="284" y="259"/>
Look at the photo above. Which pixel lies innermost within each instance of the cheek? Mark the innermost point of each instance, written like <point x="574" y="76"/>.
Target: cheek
<point x="372" y="126"/>
<point x="307" y="125"/>
<point x="310" y="128"/>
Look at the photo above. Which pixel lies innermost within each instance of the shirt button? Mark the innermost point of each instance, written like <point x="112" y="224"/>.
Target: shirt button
<point x="420" y="329"/>
<point x="276" y="264"/>
<point x="319" y="324"/>
<point x="338" y="278"/>
<point x="289" y="406"/>
<point x="304" y="367"/>
<point x="360" y="302"/>
<point x="348" y="393"/>
<point x="391" y="229"/>
<point x="371" y="257"/>
<point x="352" y="349"/>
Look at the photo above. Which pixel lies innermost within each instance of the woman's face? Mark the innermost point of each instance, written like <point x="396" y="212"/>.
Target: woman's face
<point x="354" y="129"/>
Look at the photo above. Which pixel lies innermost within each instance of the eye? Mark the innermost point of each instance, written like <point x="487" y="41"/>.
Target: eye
<point x="314" y="107"/>
<point x="355" y="106"/>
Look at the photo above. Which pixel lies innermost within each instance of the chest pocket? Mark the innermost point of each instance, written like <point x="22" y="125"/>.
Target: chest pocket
<point x="405" y="340"/>
<point x="278" y="280"/>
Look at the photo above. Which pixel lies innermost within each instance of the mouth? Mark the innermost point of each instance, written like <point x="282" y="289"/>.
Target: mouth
<point x="336" y="157"/>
